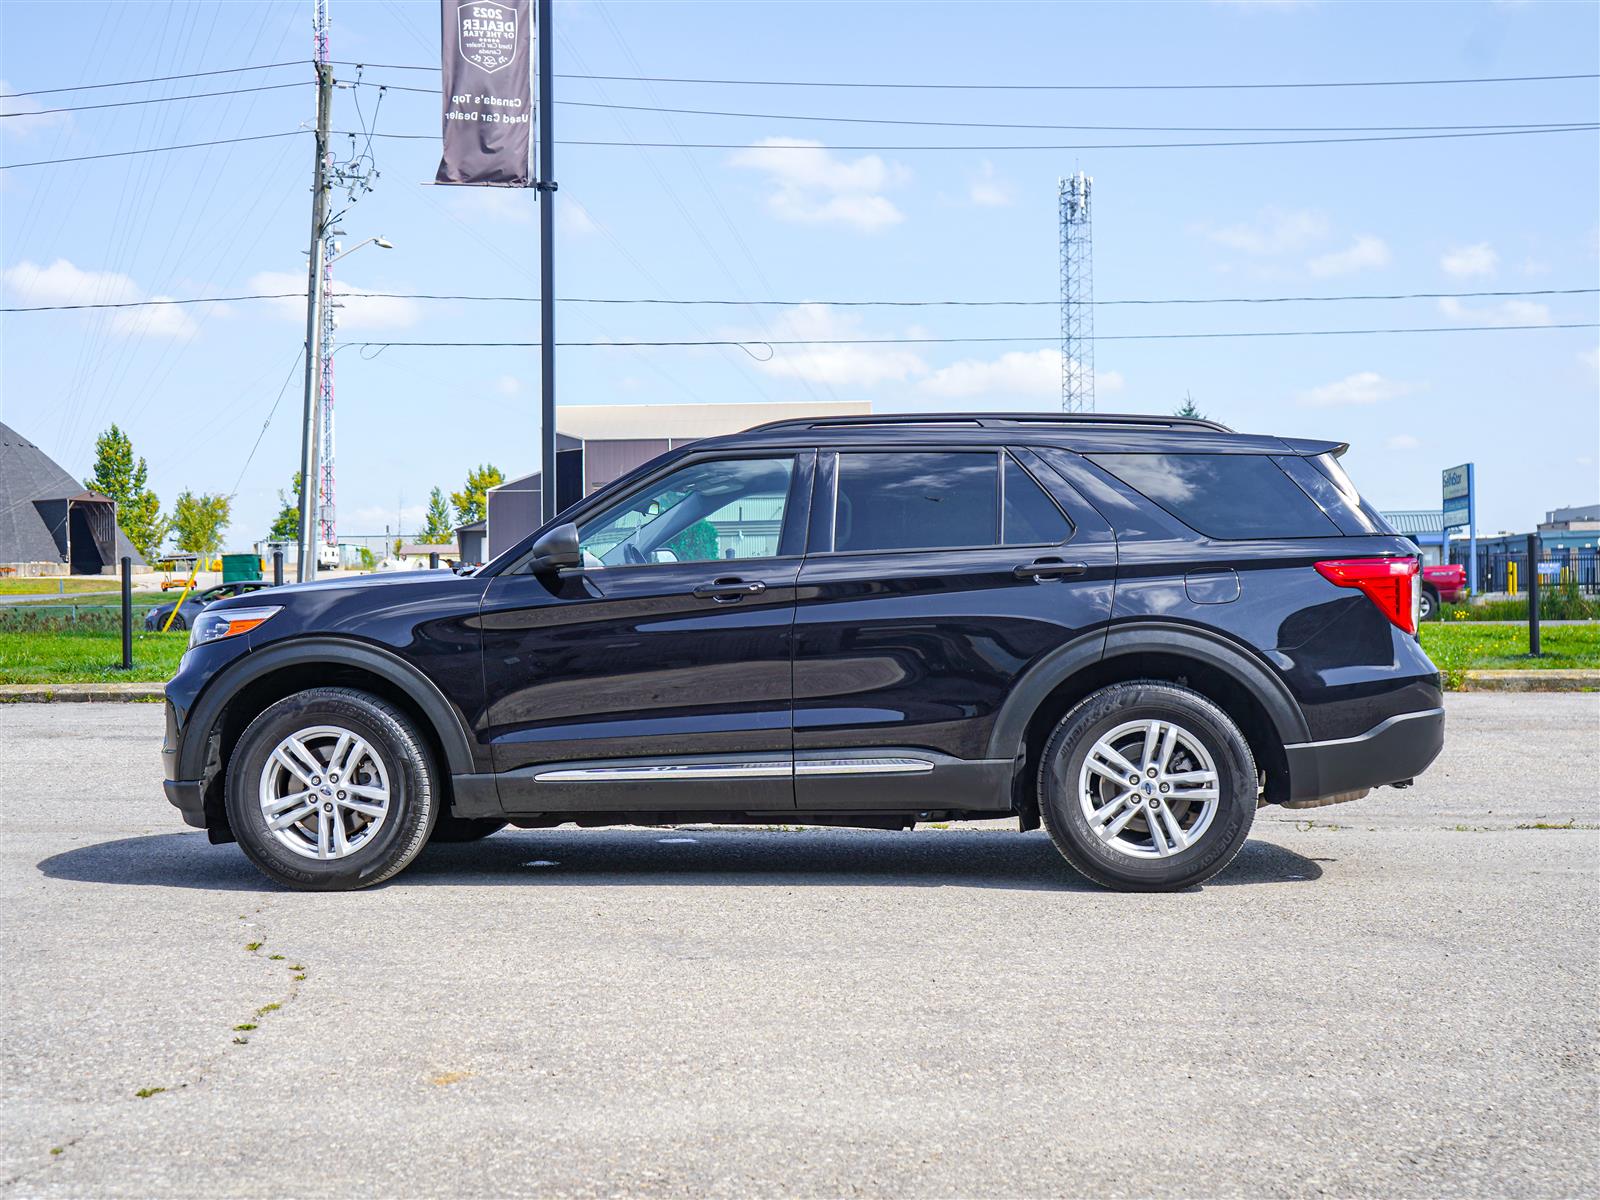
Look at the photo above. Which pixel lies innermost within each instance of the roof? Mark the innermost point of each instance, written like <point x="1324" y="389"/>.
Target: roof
<point x="1415" y="520"/>
<point x="29" y="475"/>
<point x="472" y="527"/>
<point x="423" y="549"/>
<point x="629" y="422"/>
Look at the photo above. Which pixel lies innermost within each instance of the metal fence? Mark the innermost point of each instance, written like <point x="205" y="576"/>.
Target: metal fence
<point x="1508" y="571"/>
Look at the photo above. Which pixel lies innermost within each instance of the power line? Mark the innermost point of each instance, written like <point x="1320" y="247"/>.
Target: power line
<point x="43" y="112"/>
<point x="769" y="116"/>
<point x="86" y="87"/>
<point x="652" y="300"/>
<point x="991" y="148"/>
<point x="747" y="343"/>
<point x="987" y="149"/>
<point x="46" y="162"/>
<point x="271" y="412"/>
<point x="1024" y="87"/>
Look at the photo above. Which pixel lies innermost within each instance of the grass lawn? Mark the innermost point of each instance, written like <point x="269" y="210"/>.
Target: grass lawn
<point x="1474" y="645"/>
<point x="88" y="656"/>
<point x="58" y="586"/>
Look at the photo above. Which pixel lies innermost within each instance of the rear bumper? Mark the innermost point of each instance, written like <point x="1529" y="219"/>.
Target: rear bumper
<point x="1393" y="751"/>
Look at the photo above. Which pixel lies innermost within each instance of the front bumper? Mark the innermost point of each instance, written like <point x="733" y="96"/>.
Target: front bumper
<point x="1393" y="751"/>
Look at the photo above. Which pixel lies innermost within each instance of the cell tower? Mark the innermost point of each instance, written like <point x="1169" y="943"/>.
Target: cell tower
<point x="1077" y="294"/>
<point x="327" y="523"/>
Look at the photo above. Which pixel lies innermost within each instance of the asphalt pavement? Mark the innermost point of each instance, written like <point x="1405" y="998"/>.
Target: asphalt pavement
<point x="1395" y="997"/>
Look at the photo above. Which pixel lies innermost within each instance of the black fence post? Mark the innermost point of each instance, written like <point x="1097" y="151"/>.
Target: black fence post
<point x="277" y="568"/>
<point x="433" y="561"/>
<point x="127" y="613"/>
<point x="1533" y="595"/>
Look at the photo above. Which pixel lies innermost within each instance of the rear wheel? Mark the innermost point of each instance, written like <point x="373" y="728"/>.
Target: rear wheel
<point x="1147" y="786"/>
<point x="1428" y="604"/>
<point x="331" y="789"/>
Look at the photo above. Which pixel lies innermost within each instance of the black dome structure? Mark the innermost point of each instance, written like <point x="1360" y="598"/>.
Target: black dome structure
<point x="48" y="523"/>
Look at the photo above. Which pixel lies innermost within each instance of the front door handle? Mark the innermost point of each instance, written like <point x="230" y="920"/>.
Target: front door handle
<point x="728" y="591"/>
<point x="1049" y="568"/>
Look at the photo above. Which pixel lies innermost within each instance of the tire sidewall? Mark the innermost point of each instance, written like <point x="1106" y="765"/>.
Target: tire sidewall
<point x="1429" y="605"/>
<point x="1076" y="735"/>
<point x="411" y="795"/>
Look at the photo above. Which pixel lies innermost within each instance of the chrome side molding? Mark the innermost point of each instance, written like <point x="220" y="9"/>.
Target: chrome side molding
<point x="809" y="768"/>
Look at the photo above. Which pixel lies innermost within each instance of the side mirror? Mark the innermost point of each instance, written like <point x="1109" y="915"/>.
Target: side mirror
<point x="557" y="548"/>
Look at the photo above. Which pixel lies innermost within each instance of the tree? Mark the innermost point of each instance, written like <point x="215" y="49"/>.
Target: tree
<point x="1189" y="409"/>
<point x="471" y="501"/>
<point x="286" y="526"/>
<point x="198" y="521"/>
<point x="437" y="528"/>
<point x="118" y="476"/>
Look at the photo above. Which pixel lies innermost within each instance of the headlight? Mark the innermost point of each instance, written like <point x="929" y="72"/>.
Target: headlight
<point x="213" y="625"/>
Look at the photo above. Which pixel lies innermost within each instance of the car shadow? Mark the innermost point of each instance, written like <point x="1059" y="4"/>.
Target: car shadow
<point x="694" y="855"/>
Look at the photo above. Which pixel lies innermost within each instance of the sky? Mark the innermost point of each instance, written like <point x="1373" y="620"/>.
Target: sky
<point x="786" y="211"/>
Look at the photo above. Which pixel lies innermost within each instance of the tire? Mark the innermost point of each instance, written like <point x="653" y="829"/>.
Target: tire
<point x="178" y="623"/>
<point x="464" y="829"/>
<point x="392" y="780"/>
<point x="1428" y="604"/>
<point x="1132" y="858"/>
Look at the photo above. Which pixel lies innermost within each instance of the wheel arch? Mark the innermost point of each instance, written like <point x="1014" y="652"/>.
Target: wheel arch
<point x="266" y="676"/>
<point x="1229" y="675"/>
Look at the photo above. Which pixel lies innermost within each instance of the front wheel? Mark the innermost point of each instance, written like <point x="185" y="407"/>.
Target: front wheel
<point x="1148" y="787"/>
<point x="331" y="789"/>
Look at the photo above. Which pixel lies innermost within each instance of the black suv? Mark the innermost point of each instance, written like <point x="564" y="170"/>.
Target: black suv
<point x="1132" y="630"/>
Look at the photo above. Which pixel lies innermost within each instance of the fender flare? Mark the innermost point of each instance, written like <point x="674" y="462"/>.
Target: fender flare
<point x="207" y="711"/>
<point x="1146" y="637"/>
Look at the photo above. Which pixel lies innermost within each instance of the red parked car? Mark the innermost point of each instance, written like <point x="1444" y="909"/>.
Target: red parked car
<point x="1446" y="584"/>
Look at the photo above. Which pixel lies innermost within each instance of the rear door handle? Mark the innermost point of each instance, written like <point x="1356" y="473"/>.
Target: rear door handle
<point x="1049" y="568"/>
<point x="727" y="591"/>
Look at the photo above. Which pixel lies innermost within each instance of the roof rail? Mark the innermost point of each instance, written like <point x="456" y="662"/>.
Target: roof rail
<point x="999" y="419"/>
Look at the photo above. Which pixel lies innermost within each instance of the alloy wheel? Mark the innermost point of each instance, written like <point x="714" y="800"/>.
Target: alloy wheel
<point x="324" y="792"/>
<point x="1148" y="789"/>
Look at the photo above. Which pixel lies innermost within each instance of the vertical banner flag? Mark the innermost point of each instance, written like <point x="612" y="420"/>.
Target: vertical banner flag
<point x="488" y="94"/>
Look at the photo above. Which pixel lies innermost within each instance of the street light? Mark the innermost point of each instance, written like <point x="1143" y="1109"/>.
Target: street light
<point x="383" y="243"/>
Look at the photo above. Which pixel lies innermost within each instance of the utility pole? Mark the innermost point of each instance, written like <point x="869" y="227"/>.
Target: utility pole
<point x="310" y="473"/>
<point x="546" y="186"/>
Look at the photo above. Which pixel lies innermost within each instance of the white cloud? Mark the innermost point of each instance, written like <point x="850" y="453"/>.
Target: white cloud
<point x="1365" y="252"/>
<point x="1403" y="441"/>
<point x="358" y="310"/>
<point x="811" y="185"/>
<point x="1274" y="231"/>
<point x="988" y="190"/>
<point x="1507" y="312"/>
<point x="507" y="206"/>
<point x="1024" y="374"/>
<point x="1591" y="358"/>
<point x="1029" y="373"/>
<point x="64" y="283"/>
<point x="26" y="119"/>
<point x="1464" y="262"/>
<point x="508" y="385"/>
<point x="573" y="218"/>
<point x="1364" y="387"/>
<point x="840" y="366"/>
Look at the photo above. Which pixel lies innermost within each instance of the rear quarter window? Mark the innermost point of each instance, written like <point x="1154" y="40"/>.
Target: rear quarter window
<point x="1225" y="496"/>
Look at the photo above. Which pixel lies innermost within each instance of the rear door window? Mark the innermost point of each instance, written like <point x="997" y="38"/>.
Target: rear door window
<point x="917" y="500"/>
<point x="1031" y="518"/>
<point x="1225" y="496"/>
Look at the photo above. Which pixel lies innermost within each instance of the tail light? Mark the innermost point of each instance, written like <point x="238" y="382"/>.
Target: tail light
<point x="1390" y="583"/>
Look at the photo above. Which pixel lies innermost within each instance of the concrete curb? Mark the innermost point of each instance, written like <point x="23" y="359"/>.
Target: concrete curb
<point x="57" y="693"/>
<point x="1531" y="681"/>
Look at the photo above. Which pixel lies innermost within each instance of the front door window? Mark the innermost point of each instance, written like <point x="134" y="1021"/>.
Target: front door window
<point x="707" y="512"/>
